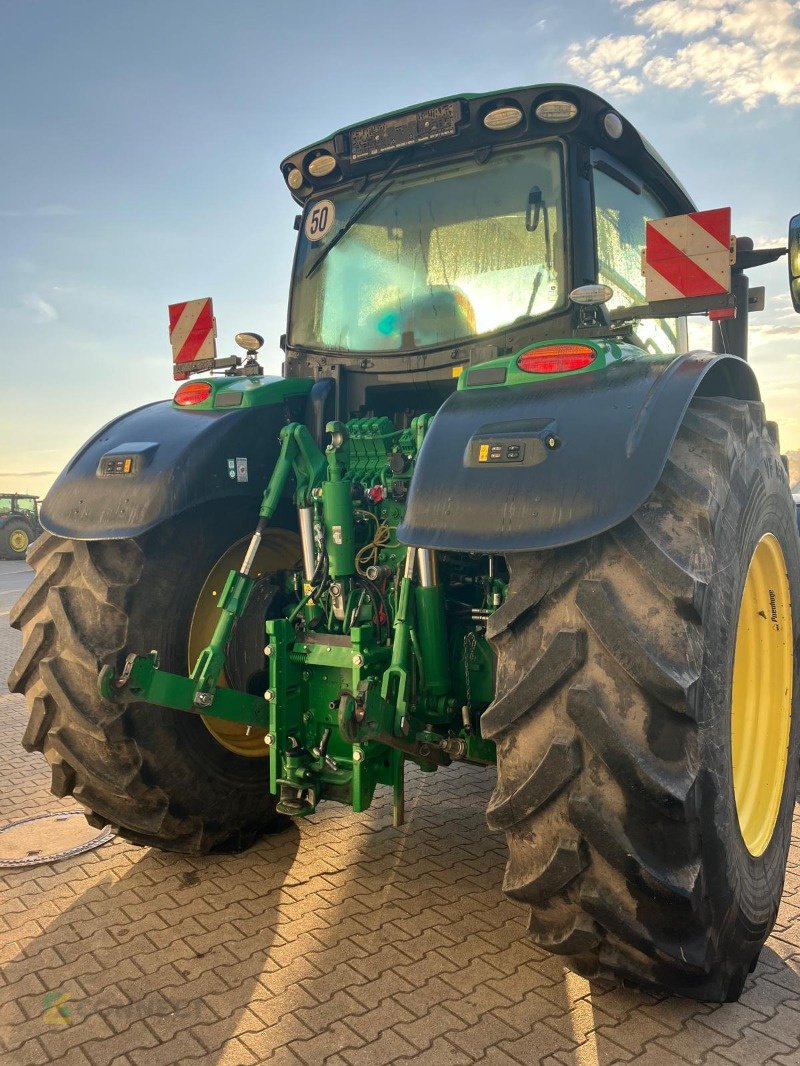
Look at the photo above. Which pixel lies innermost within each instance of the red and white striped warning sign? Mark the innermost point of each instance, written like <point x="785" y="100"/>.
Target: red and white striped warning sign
<point x="688" y="255"/>
<point x="192" y="333"/>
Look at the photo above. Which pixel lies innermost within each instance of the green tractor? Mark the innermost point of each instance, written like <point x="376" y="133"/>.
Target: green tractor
<point x="19" y="524"/>
<point x="494" y="511"/>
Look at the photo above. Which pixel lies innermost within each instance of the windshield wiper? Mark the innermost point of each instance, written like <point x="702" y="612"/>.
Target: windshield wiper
<point x="537" y="207"/>
<point x="361" y="210"/>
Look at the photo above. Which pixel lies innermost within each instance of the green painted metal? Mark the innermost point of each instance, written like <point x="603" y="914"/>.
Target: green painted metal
<point x="337" y="504"/>
<point x="142" y="682"/>
<point x="431" y="632"/>
<point x="210" y="662"/>
<point x="299" y="456"/>
<point x="361" y="680"/>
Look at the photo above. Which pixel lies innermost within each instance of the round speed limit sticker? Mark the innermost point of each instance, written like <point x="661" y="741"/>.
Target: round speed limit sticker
<point x="320" y="219"/>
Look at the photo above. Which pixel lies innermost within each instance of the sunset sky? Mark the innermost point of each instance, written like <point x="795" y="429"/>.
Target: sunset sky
<point x="141" y="141"/>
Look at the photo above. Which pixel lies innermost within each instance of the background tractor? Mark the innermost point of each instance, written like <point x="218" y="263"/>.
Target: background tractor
<point x="19" y="524"/>
<point x="493" y="511"/>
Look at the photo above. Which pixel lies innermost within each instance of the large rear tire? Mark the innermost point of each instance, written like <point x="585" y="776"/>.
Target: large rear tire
<point x="161" y="776"/>
<point x="648" y="823"/>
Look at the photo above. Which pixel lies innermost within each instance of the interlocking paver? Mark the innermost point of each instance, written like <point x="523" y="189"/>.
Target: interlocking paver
<point x="694" y="1041"/>
<point x="783" y="1025"/>
<point x="535" y="1045"/>
<point x="332" y="1040"/>
<point x="387" y="1048"/>
<point x="594" y="1050"/>
<point x="371" y="1023"/>
<point x="754" y="1047"/>
<point x="31" y="1054"/>
<point x="339" y="942"/>
<point x="638" y="1031"/>
<point x="579" y="1021"/>
<point x="476" y="1039"/>
<point x="443" y="1053"/>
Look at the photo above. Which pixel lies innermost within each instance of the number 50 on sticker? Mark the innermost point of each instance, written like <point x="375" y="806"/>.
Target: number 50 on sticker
<point x="320" y="219"/>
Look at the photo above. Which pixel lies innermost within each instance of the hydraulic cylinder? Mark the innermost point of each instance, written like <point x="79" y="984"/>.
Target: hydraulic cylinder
<point x="431" y="626"/>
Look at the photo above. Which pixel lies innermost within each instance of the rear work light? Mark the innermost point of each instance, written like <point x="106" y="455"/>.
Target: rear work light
<point x="556" y="358"/>
<point x="191" y="393"/>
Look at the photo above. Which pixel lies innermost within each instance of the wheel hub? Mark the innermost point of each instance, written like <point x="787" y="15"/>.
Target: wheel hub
<point x="19" y="540"/>
<point x="278" y="551"/>
<point x="761" y="704"/>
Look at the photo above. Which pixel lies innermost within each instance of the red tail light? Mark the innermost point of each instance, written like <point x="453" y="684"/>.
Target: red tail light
<point x="191" y="393"/>
<point x="556" y="358"/>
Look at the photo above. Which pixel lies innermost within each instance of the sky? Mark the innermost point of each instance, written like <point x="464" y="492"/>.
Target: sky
<point x="140" y="144"/>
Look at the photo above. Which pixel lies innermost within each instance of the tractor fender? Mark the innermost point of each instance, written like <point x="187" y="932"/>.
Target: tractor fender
<point x="179" y="458"/>
<point x="529" y="466"/>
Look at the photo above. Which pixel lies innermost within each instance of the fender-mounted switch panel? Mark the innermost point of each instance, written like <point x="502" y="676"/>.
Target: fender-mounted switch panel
<point x="111" y="465"/>
<point x="522" y="441"/>
<point x="128" y="460"/>
<point x="501" y="452"/>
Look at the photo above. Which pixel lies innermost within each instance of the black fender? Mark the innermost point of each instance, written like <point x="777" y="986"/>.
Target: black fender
<point x="179" y="458"/>
<point x="586" y="451"/>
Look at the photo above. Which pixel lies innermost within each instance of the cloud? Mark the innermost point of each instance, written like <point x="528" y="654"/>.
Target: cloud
<point x="781" y="301"/>
<point x="47" y="211"/>
<point x="773" y="331"/>
<point x="44" y="311"/>
<point x="770" y="242"/>
<point x="28" y="473"/>
<point x="734" y="51"/>
<point x="677" y="17"/>
<point x="621" y="56"/>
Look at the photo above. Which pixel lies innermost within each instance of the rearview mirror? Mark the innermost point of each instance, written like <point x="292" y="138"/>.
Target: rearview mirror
<point x="794" y="260"/>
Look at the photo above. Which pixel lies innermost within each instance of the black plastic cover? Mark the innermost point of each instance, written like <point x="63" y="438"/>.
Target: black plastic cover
<point x="179" y="458"/>
<point x="524" y="467"/>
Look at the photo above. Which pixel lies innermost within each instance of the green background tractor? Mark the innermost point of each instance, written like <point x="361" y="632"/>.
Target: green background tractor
<point x="19" y="524"/>
<point x="493" y="511"/>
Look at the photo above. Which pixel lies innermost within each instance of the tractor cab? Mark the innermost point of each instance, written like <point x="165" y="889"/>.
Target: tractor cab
<point x="454" y="233"/>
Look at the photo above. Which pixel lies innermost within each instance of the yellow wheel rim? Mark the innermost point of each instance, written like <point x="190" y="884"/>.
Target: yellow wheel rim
<point x="761" y="703"/>
<point x="19" y="540"/>
<point x="279" y="551"/>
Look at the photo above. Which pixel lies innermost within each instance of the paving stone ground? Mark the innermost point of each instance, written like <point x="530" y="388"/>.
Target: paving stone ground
<point x="341" y="941"/>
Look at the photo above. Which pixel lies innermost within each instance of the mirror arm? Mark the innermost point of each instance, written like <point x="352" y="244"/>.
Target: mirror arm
<point x="755" y="257"/>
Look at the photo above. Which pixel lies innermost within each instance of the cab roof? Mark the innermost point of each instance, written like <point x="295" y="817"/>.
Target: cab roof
<point x="458" y="127"/>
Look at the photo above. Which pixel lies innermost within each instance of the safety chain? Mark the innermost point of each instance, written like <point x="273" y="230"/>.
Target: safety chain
<point x="470" y="646"/>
